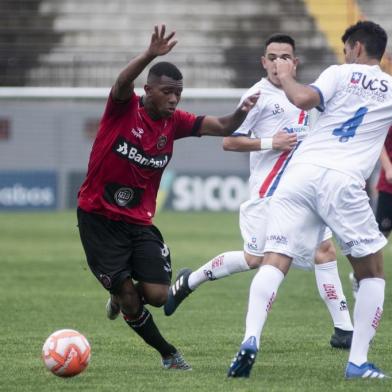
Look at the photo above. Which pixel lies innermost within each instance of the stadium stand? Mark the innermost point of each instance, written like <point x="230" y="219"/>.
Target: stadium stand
<point x="334" y="16"/>
<point x="85" y="43"/>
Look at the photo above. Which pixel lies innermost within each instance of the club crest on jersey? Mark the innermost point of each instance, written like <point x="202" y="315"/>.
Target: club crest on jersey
<point x="161" y="143"/>
<point x="123" y="196"/>
<point x="356" y="77"/>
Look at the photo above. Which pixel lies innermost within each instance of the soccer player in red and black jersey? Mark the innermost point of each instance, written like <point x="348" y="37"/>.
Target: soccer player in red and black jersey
<point x="116" y="202"/>
<point x="384" y="186"/>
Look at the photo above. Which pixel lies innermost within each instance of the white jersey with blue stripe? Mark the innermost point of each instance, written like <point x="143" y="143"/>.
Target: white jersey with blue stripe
<point x="356" y="113"/>
<point x="272" y="113"/>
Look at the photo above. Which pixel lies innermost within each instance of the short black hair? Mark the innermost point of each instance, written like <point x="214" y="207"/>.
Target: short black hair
<point x="280" y="38"/>
<point x="370" y="34"/>
<point x="165" y="68"/>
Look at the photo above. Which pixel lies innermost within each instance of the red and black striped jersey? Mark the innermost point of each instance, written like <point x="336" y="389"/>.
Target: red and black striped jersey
<point x="128" y="158"/>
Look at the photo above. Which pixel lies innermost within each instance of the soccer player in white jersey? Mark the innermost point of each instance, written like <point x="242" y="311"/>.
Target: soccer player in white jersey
<point x="275" y="124"/>
<point x="325" y="185"/>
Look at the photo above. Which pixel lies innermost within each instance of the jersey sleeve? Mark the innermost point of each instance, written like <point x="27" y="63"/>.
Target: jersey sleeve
<point x="114" y="108"/>
<point x="326" y="85"/>
<point x="187" y="124"/>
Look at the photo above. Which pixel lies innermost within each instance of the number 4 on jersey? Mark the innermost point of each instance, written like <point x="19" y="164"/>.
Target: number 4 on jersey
<point x="348" y="128"/>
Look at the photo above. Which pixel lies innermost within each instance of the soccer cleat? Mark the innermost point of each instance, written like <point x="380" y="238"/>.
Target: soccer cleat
<point x="244" y="359"/>
<point x="354" y="284"/>
<point x="178" y="291"/>
<point x="176" y="361"/>
<point x="366" y="370"/>
<point x="341" y="338"/>
<point x="112" y="309"/>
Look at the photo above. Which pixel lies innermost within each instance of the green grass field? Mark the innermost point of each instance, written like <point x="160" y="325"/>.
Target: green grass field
<point x="45" y="286"/>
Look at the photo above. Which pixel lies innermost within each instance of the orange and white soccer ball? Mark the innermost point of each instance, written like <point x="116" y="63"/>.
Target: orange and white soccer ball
<point x="66" y="353"/>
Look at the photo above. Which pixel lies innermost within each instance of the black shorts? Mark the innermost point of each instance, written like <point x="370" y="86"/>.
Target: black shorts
<point x="117" y="250"/>
<point x="384" y="211"/>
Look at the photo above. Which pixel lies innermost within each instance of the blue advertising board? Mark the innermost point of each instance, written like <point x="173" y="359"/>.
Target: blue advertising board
<point x="28" y="190"/>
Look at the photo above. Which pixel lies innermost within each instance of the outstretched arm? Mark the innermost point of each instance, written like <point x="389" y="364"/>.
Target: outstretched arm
<point x="226" y="125"/>
<point x="302" y="96"/>
<point x="281" y="141"/>
<point x="160" y="45"/>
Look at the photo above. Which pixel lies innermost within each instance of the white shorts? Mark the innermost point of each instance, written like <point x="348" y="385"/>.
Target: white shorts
<point x="253" y="225"/>
<point x="310" y="197"/>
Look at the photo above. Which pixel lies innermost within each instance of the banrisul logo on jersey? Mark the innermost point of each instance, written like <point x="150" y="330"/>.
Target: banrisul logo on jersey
<point x="363" y="85"/>
<point x="136" y="155"/>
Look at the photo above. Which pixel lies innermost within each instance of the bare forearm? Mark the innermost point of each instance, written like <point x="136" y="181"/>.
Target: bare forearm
<point x="226" y="125"/>
<point x="124" y="82"/>
<point x="281" y="141"/>
<point x="231" y="122"/>
<point x="304" y="97"/>
<point x="160" y="45"/>
<point x="241" y="144"/>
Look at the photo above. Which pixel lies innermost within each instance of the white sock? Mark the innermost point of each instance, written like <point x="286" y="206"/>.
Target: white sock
<point x="367" y="315"/>
<point x="225" y="264"/>
<point x="262" y="294"/>
<point x="331" y="291"/>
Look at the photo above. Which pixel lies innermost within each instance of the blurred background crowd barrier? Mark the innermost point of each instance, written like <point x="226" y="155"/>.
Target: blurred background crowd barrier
<point x="58" y="59"/>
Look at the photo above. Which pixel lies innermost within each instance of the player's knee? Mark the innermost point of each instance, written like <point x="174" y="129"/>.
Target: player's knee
<point x="128" y="298"/>
<point x="157" y="297"/>
<point x="326" y="252"/>
<point x="253" y="261"/>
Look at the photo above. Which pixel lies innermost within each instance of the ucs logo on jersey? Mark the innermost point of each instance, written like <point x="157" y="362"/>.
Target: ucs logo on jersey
<point x="367" y="83"/>
<point x="253" y="245"/>
<point x="278" y="109"/>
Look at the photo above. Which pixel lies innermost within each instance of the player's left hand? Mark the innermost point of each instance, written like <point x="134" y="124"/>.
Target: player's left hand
<point x="248" y="103"/>
<point x="161" y="44"/>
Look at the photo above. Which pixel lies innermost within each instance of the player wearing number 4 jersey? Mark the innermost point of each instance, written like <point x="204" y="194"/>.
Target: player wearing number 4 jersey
<point x="325" y="185"/>
<point x="276" y="126"/>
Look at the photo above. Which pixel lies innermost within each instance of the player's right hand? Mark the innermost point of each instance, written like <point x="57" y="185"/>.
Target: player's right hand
<point x="161" y="44"/>
<point x="284" y="68"/>
<point x="284" y="141"/>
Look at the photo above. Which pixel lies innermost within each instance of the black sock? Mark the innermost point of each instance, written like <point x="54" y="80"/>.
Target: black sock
<point x="146" y="328"/>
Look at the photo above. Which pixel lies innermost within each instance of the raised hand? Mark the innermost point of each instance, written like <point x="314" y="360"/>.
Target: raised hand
<point x="161" y="44"/>
<point x="284" y="67"/>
